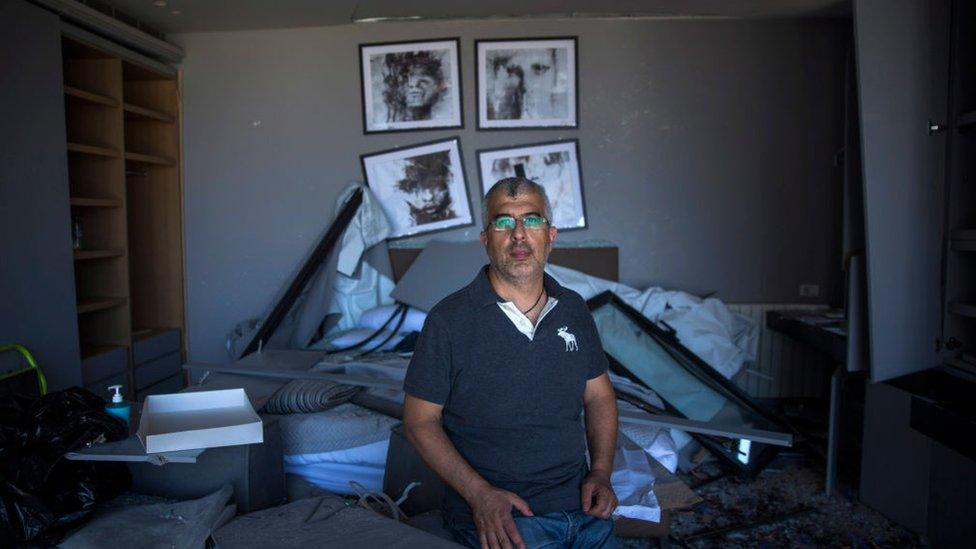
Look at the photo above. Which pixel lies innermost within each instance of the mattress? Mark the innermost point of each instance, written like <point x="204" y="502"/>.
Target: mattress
<point x="331" y="448"/>
<point x="333" y="470"/>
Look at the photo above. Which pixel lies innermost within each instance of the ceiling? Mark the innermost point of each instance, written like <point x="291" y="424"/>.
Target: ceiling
<point x="179" y="16"/>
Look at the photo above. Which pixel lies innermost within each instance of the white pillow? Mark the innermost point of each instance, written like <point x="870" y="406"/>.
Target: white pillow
<point x="375" y="317"/>
<point x="352" y="337"/>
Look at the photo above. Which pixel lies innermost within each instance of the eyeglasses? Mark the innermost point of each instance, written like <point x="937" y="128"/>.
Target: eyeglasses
<point x="508" y="223"/>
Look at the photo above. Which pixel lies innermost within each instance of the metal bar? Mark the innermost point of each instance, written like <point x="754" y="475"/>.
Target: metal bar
<point x="706" y="428"/>
<point x="31" y="366"/>
<point x="830" y="479"/>
<point x="308" y="270"/>
<point x="359" y="381"/>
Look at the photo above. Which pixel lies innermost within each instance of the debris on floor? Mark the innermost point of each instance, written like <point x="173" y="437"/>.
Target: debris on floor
<point x="783" y="506"/>
<point x="793" y="492"/>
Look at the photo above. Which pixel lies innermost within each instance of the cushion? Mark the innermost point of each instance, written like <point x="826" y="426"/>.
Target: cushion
<point x="306" y="396"/>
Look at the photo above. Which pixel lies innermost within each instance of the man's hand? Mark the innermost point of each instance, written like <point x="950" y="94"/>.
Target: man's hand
<point x="597" y="495"/>
<point x="492" y="510"/>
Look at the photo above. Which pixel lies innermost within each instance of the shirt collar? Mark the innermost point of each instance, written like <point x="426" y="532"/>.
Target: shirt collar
<point x="483" y="293"/>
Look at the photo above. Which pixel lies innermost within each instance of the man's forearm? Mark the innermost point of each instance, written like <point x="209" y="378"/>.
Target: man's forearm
<point x="601" y="433"/>
<point x="439" y="453"/>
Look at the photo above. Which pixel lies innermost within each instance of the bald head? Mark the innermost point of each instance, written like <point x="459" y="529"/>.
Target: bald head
<point x="512" y="187"/>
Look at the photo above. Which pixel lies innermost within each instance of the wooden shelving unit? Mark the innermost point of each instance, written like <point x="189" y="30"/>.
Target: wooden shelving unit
<point x="122" y="118"/>
<point x="959" y="322"/>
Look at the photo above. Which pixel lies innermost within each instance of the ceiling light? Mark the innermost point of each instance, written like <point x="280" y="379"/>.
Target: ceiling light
<point x="160" y="3"/>
<point x="176" y="12"/>
<point x="386" y="19"/>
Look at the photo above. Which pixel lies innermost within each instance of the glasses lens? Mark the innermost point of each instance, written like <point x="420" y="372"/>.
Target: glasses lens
<point x="533" y="222"/>
<point x="504" y="223"/>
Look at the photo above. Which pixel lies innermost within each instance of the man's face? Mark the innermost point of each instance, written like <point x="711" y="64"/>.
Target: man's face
<point x="428" y="196"/>
<point x="518" y="254"/>
<point x="422" y="88"/>
<point x="533" y="71"/>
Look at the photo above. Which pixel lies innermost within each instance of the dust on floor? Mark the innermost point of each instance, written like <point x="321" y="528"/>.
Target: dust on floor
<point x="784" y="506"/>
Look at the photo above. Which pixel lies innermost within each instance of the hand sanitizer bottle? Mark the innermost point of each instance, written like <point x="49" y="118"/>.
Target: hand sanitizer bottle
<point x="118" y="408"/>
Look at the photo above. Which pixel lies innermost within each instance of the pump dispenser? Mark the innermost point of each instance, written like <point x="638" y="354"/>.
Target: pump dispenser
<point x="119" y="407"/>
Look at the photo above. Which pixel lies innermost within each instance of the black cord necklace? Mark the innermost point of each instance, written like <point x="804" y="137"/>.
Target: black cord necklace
<point x="525" y="312"/>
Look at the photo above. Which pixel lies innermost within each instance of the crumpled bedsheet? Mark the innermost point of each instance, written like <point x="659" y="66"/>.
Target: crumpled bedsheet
<point x="723" y="339"/>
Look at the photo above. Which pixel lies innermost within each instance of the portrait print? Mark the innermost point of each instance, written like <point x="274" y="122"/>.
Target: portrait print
<point x="420" y="188"/>
<point x="526" y="83"/>
<point x="411" y="86"/>
<point x="553" y="165"/>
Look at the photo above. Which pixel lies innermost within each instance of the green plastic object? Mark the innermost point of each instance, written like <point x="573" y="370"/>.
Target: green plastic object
<point x="31" y="366"/>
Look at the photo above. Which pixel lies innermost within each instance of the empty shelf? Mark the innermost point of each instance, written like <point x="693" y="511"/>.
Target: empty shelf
<point x="90" y="350"/>
<point x="135" y="112"/>
<point x="963" y="309"/>
<point x="964" y="245"/>
<point x="99" y="303"/>
<point x="82" y="96"/>
<point x="92" y="149"/>
<point x="149" y="159"/>
<point x="97" y="254"/>
<point x="966" y="119"/>
<point x="84" y="202"/>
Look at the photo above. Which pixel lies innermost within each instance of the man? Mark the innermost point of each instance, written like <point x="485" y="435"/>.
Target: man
<point x="498" y="379"/>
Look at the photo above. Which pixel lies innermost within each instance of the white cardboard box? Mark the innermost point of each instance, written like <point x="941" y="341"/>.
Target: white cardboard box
<point x="203" y="419"/>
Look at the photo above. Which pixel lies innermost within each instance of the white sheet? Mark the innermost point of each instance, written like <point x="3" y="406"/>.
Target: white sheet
<point x="332" y="471"/>
<point x="707" y="327"/>
<point x="633" y="482"/>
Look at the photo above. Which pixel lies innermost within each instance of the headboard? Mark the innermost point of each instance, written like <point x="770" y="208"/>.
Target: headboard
<point x="597" y="259"/>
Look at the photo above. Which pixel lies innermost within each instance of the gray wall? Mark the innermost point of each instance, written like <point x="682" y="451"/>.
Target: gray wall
<point x="37" y="291"/>
<point x="707" y="152"/>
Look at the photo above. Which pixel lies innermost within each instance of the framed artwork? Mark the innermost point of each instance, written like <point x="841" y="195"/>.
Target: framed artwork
<point x="411" y="85"/>
<point x="528" y="83"/>
<point x="421" y="188"/>
<point x="554" y="165"/>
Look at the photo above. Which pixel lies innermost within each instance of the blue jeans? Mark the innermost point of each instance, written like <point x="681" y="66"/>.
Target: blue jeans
<point x="569" y="529"/>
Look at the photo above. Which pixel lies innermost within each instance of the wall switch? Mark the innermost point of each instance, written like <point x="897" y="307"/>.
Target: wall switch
<point x="809" y="290"/>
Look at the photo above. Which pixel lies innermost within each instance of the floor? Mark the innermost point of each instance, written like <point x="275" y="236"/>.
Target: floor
<point x="784" y="506"/>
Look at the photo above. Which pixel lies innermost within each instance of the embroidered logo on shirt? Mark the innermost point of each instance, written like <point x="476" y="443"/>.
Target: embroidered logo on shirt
<point x="569" y="338"/>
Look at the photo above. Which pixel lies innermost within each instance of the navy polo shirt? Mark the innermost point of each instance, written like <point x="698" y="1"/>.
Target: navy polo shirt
<point x="512" y="405"/>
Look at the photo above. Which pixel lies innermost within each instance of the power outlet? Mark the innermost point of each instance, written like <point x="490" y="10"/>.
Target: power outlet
<point x="809" y="290"/>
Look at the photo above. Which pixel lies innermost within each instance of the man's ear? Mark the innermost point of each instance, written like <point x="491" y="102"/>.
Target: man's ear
<point x="552" y="233"/>
<point x="484" y="238"/>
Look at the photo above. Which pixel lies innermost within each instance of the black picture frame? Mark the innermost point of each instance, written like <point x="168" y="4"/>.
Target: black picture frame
<point x="570" y="145"/>
<point x="366" y="92"/>
<point x="383" y="193"/>
<point x="481" y="122"/>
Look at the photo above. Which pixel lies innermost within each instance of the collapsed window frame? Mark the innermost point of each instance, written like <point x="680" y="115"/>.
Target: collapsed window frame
<point x="727" y="446"/>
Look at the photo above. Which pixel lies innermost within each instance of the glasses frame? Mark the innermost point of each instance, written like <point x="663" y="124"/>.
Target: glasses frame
<point x="518" y="221"/>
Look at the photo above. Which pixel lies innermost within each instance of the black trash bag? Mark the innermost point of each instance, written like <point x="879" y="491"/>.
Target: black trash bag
<point x="42" y="494"/>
